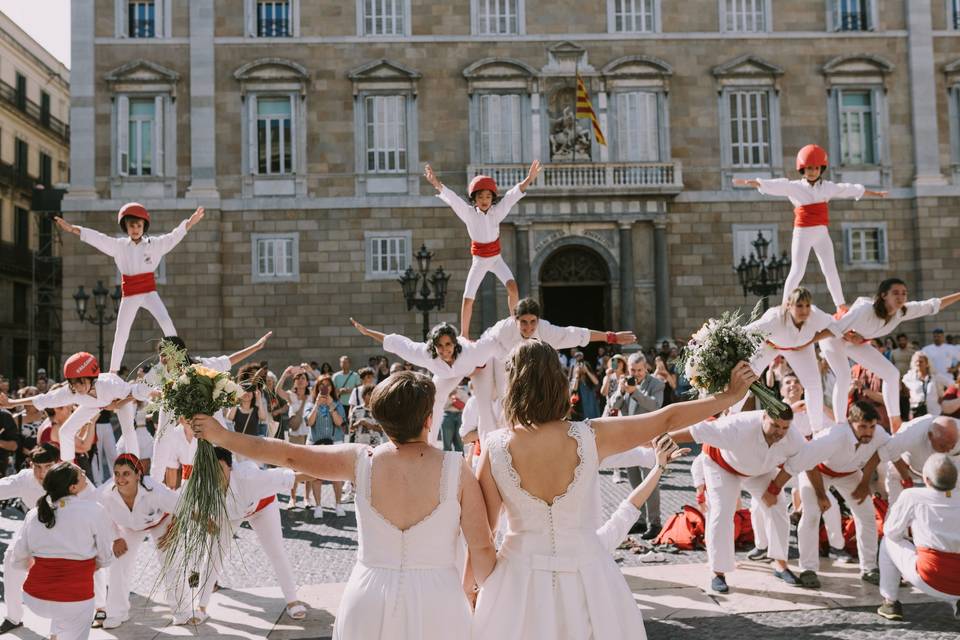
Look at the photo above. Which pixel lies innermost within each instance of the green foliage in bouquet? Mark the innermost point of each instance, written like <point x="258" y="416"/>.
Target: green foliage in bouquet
<point x="715" y="349"/>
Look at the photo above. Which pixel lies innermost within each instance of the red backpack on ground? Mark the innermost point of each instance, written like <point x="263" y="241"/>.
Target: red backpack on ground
<point x="849" y="527"/>
<point x="684" y="530"/>
<point x="742" y="529"/>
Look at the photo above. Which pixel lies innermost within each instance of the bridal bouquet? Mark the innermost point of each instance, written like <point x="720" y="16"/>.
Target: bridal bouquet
<point x="716" y="348"/>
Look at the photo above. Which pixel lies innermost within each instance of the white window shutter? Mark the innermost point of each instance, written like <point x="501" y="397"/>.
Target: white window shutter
<point x="123" y="133"/>
<point x="651" y="136"/>
<point x="882" y="244"/>
<point x="252" y="158"/>
<point x="294" y="151"/>
<point x="120" y="26"/>
<point x="158" y="116"/>
<point x="159" y="19"/>
<point x="848" y="246"/>
<point x="250" y="9"/>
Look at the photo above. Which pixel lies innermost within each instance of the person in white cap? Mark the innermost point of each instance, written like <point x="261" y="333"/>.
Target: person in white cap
<point x="137" y="257"/>
<point x="913" y="445"/>
<point x="483" y="217"/>
<point x="844" y="450"/>
<point x="756" y="452"/>
<point x="931" y="560"/>
<point x="809" y="196"/>
<point x="868" y="319"/>
<point x="91" y="392"/>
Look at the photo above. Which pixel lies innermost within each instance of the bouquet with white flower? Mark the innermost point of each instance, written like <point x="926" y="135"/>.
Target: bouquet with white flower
<point x="716" y="348"/>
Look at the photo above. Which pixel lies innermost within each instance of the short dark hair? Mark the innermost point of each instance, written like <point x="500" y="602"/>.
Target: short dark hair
<point x="440" y="330"/>
<point x="225" y="455"/>
<point x="402" y="403"/>
<point x="366" y="371"/>
<point x="537" y="388"/>
<point x="862" y="411"/>
<point x="901" y="335"/>
<point x="527" y="306"/>
<point x="45" y="453"/>
<point x="785" y="413"/>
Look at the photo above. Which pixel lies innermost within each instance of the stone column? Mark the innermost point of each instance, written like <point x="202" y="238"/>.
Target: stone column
<point x="203" y="164"/>
<point x="923" y="94"/>
<point x="522" y="236"/>
<point x="82" y="122"/>
<point x="661" y="268"/>
<point x="627" y="300"/>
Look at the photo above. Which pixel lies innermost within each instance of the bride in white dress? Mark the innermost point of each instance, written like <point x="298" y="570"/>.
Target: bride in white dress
<point x="412" y="502"/>
<point x="554" y="579"/>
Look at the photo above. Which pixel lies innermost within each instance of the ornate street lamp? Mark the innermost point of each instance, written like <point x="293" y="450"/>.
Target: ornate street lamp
<point x="99" y="317"/>
<point x="760" y="276"/>
<point x="428" y="299"/>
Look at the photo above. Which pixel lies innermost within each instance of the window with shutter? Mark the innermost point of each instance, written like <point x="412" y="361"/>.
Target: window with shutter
<point x="497" y="17"/>
<point x="275" y="257"/>
<point x="501" y="136"/>
<point x="638" y="126"/>
<point x="383" y="17"/>
<point x="749" y="113"/>
<point x="632" y="16"/>
<point x="386" y="134"/>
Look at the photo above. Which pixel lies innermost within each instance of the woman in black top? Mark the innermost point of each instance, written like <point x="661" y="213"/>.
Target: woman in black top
<point x="248" y="415"/>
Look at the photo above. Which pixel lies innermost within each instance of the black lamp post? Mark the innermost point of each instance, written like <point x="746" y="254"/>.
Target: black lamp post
<point x="425" y="302"/>
<point x="760" y="276"/>
<point x="99" y="315"/>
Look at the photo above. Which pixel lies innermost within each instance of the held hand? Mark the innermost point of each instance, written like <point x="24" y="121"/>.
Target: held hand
<point x="432" y="177"/>
<point x="664" y="447"/>
<point x="119" y="547"/>
<point x="164" y="541"/>
<point x="854" y="337"/>
<point x="823" y="501"/>
<point x="206" y="427"/>
<point x="196" y="217"/>
<point x="741" y="378"/>
<point x="769" y="499"/>
<point x="626" y="337"/>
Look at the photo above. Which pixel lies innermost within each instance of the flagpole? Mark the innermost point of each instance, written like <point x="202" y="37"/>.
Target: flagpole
<point x="576" y="89"/>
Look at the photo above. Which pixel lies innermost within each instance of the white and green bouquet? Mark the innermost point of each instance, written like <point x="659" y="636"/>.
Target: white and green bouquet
<point x="716" y="348"/>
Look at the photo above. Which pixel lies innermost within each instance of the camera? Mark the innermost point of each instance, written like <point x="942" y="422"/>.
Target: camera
<point x="631" y="381"/>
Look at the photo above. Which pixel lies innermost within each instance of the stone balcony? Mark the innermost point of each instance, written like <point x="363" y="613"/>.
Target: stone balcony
<point x="597" y="178"/>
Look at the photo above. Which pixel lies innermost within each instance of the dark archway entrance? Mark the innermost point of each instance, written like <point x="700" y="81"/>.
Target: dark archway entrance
<point x="575" y="290"/>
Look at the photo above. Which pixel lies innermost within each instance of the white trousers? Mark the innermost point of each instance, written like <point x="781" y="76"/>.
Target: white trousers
<point x="266" y="524"/>
<point x="68" y="620"/>
<point x="13" y="578"/>
<point x="479" y="268"/>
<point x="444" y="386"/>
<point x="808" y="531"/>
<point x="818" y="239"/>
<point x="123" y="569"/>
<point x="129" y="305"/>
<point x="804" y="364"/>
<point x="83" y="415"/>
<point x="838" y="353"/>
<point x="898" y="559"/>
<point x="723" y="490"/>
<point x="487" y="390"/>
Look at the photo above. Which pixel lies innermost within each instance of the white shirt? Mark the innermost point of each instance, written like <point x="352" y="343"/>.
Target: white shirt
<point x="108" y="387"/>
<point x="801" y="192"/>
<point x="507" y="335"/>
<point x="472" y="355"/>
<point x="942" y="356"/>
<point x="912" y="443"/>
<point x="180" y="451"/>
<point x="839" y="450"/>
<point x="482" y="227"/>
<point x="82" y="531"/>
<point x="643" y="457"/>
<point x="150" y="506"/>
<point x="779" y="328"/>
<point x="470" y="417"/>
<point x="22" y="485"/>
<point x="249" y="485"/>
<point x="293" y="406"/>
<point x="740" y="439"/>
<point x="133" y="258"/>
<point x="927" y="391"/>
<point x="801" y="422"/>
<point x="932" y="517"/>
<point x="864" y="321"/>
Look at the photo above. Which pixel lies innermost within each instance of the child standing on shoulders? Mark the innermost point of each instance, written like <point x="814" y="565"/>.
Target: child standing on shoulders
<point x="809" y="196"/>
<point x="482" y="216"/>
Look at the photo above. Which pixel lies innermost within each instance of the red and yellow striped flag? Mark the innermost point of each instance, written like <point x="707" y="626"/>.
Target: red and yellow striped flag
<point x="585" y="110"/>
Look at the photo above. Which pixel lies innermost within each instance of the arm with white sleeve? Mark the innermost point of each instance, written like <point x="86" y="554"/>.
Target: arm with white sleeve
<point x="455" y="202"/>
<point x="102" y="242"/>
<point x="897" y="523"/>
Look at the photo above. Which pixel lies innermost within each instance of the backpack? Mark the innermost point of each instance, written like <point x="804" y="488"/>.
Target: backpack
<point x="849" y="528"/>
<point x="742" y="529"/>
<point x="685" y="530"/>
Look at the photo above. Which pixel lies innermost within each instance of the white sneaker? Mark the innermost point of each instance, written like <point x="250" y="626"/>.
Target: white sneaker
<point x="340" y="512"/>
<point x="318" y="512"/>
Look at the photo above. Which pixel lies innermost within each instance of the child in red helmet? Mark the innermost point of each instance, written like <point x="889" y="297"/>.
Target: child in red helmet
<point x="482" y="217"/>
<point x="137" y="257"/>
<point x="810" y="195"/>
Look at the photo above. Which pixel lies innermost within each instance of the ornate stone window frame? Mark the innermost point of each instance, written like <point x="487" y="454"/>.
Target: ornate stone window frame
<point x="163" y="19"/>
<point x="250" y="20"/>
<point x="638" y="73"/>
<point x="502" y="76"/>
<point x="951" y="71"/>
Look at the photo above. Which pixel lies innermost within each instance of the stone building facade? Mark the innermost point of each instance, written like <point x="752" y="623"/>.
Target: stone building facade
<point x="303" y="127"/>
<point x="34" y="151"/>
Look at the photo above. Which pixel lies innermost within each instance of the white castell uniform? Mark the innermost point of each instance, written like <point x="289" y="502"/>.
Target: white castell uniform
<point x="931" y="562"/>
<point x="252" y="497"/>
<point x="60" y="583"/>
<point x="810" y="229"/>
<point x="912" y="444"/>
<point x="785" y="339"/>
<point x="862" y="319"/>
<point x="151" y="514"/>
<point x="839" y="458"/>
<point x="484" y="230"/>
<point x="491" y="382"/>
<point x="139" y="260"/>
<point x="108" y="387"/>
<point x="21" y="485"/>
<point x="738" y="456"/>
<point x="446" y="377"/>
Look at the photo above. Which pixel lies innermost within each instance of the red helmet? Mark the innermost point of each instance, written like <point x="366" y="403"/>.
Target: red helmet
<point x="133" y="210"/>
<point x="480" y="183"/>
<point x="81" y="365"/>
<point x="811" y="156"/>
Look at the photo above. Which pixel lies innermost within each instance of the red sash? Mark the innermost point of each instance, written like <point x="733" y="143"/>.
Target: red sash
<point x="714" y="454"/>
<point x="186" y="472"/>
<point x="827" y="471"/>
<point x="779" y="348"/>
<point x="485" y="249"/>
<point x="939" y="569"/>
<point x="61" y="580"/>
<point x="811" y="215"/>
<point x="264" y="502"/>
<point x="157" y="523"/>
<point x="138" y="283"/>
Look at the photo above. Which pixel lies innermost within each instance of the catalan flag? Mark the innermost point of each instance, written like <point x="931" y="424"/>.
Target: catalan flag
<point x="585" y="110"/>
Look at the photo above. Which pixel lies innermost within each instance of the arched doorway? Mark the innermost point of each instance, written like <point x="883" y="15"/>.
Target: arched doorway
<point x="575" y="288"/>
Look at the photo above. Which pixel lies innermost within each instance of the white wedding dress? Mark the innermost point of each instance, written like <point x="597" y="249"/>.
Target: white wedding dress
<point x="554" y="579"/>
<point x="406" y="585"/>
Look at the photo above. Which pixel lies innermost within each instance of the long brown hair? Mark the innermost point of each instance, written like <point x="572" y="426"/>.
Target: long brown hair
<point x="879" y="304"/>
<point x="537" y="390"/>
